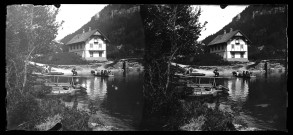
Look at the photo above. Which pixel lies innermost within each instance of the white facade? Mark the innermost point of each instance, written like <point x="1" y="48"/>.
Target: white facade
<point x="236" y="49"/>
<point x="93" y="48"/>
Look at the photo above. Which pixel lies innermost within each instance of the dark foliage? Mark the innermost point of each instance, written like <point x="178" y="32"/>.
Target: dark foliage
<point x="207" y="59"/>
<point x="121" y="23"/>
<point x="62" y="59"/>
<point x="264" y="25"/>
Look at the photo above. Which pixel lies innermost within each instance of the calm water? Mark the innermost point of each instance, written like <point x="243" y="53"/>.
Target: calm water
<point x="261" y="102"/>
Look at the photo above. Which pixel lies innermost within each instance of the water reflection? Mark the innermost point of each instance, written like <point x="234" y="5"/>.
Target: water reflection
<point x="119" y="98"/>
<point x="238" y="89"/>
<point x="260" y="101"/>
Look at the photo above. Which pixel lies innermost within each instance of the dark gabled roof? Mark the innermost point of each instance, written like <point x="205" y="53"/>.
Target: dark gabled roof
<point x="225" y="37"/>
<point x="82" y="37"/>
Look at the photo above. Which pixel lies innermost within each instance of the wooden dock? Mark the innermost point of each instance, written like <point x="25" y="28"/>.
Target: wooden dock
<point x="57" y="84"/>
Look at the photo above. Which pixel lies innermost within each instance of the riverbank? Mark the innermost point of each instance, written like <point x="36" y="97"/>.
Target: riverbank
<point x="114" y="66"/>
<point x="91" y="119"/>
<point x="253" y="67"/>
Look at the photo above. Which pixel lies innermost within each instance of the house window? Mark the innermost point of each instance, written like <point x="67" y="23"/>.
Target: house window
<point x="237" y="41"/>
<point x="241" y="55"/>
<point x="91" y="45"/>
<point x="91" y="54"/>
<point x="232" y="46"/>
<point x="233" y="55"/>
<point x="100" y="45"/>
<point x="241" y="46"/>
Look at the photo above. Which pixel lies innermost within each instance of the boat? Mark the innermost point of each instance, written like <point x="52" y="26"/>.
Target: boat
<point x="242" y="76"/>
<point x="65" y="88"/>
<point x="196" y="74"/>
<point x="54" y="73"/>
<point x="200" y="91"/>
<point x="98" y="73"/>
<point x="189" y="75"/>
<point x="245" y="76"/>
<point x="206" y="89"/>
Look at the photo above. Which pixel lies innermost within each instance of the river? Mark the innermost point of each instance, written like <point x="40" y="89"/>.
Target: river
<point x="260" y="102"/>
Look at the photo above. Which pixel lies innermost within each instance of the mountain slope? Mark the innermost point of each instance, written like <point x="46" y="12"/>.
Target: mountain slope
<point x="121" y="23"/>
<point x="265" y="26"/>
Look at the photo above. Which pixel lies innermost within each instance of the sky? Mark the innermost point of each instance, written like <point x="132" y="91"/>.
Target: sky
<point x="217" y="17"/>
<point x="76" y="15"/>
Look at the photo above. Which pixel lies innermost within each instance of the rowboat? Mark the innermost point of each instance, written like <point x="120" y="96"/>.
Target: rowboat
<point x="206" y="89"/>
<point x="242" y="76"/>
<point x="110" y="75"/>
<point x="198" y="92"/>
<point x="245" y="76"/>
<point x="98" y="73"/>
<point x="54" y="73"/>
<point x="64" y="88"/>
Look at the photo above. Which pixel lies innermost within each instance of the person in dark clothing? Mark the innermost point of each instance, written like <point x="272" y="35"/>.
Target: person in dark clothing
<point x="266" y="66"/>
<point x="124" y="65"/>
<point x="74" y="71"/>
<point x="102" y="72"/>
<point x="105" y="72"/>
<point x="247" y="73"/>
<point x="243" y="73"/>
<point x="216" y="72"/>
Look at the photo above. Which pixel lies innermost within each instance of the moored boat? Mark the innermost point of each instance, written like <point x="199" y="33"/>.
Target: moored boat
<point x="54" y="73"/>
<point x="103" y="73"/>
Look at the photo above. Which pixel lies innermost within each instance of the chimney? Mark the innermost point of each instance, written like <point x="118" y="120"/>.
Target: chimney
<point x="89" y="28"/>
<point x="224" y="31"/>
<point x="82" y="30"/>
<point x="231" y="29"/>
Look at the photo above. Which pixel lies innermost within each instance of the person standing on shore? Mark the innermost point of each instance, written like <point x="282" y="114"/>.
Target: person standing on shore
<point x="216" y="72"/>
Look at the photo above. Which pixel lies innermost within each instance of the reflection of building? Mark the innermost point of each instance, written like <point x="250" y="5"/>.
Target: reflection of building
<point x="96" y="88"/>
<point x="238" y="89"/>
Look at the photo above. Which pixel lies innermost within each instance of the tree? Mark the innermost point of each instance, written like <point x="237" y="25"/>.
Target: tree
<point x="170" y="30"/>
<point x="30" y="30"/>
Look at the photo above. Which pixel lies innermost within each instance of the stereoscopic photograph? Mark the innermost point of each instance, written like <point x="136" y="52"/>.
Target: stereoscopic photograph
<point x="146" y="67"/>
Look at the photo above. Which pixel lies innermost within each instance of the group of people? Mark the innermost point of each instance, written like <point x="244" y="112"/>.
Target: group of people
<point x="244" y="73"/>
<point x="103" y="72"/>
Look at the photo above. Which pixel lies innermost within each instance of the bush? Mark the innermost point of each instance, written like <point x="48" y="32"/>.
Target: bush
<point x="194" y="115"/>
<point x="38" y="116"/>
<point x="62" y="59"/>
<point x="207" y="59"/>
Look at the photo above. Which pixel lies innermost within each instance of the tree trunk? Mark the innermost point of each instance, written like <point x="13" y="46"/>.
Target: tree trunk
<point x="31" y="42"/>
<point x="25" y="67"/>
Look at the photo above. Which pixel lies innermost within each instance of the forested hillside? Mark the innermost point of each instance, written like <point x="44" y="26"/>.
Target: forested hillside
<point x="265" y="25"/>
<point x="121" y="23"/>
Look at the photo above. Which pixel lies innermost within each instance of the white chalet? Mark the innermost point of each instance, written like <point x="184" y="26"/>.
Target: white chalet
<point x="232" y="46"/>
<point x="89" y="45"/>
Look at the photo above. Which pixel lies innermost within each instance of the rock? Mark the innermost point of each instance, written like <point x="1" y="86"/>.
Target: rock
<point x="49" y="123"/>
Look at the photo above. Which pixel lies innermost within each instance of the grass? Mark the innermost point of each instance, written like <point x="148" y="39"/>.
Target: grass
<point x="65" y="58"/>
<point x="32" y="110"/>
